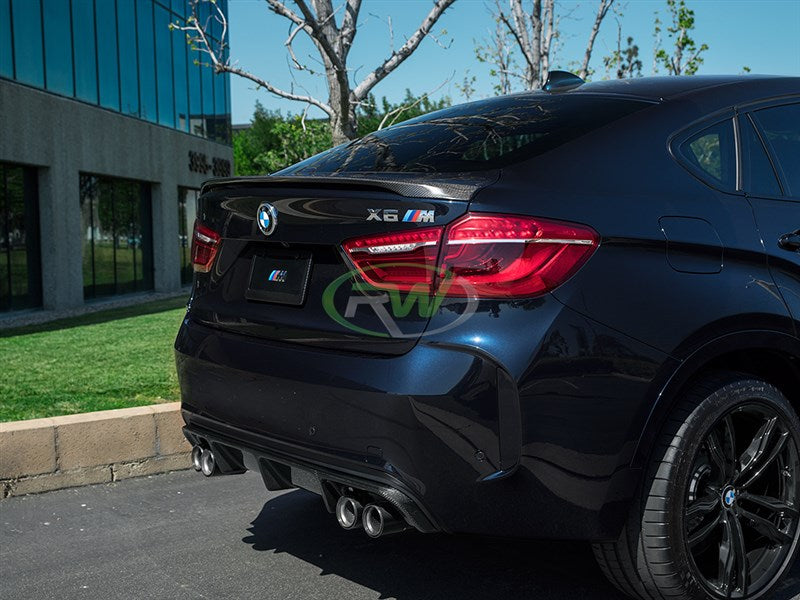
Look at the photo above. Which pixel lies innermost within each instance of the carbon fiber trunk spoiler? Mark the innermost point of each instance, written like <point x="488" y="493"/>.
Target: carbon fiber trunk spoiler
<point x="445" y="186"/>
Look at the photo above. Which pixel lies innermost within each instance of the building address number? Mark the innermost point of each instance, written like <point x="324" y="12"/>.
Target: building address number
<point x="218" y="167"/>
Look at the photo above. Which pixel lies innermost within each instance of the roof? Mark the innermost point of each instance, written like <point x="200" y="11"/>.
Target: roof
<point x="661" y="88"/>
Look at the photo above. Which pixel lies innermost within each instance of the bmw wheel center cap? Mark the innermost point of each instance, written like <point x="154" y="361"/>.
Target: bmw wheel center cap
<point x="267" y="218"/>
<point x="729" y="497"/>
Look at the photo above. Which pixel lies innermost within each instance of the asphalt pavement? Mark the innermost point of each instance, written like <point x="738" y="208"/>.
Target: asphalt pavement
<point x="182" y="536"/>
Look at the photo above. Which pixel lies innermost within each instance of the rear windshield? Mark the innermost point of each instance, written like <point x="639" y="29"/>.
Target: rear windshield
<point x="479" y="136"/>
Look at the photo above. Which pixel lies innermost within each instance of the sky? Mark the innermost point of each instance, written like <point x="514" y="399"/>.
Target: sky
<point x="763" y="35"/>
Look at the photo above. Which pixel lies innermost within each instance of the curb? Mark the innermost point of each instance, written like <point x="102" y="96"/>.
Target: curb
<point x="41" y="455"/>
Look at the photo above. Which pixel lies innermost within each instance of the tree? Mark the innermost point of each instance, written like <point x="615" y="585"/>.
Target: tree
<point x="274" y="141"/>
<point x="318" y="20"/>
<point x="685" y="58"/>
<point x="499" y="52"/>
<point x="467" y="86"/>
<point x="535" y="35"/>
<point x="624" y="63"/>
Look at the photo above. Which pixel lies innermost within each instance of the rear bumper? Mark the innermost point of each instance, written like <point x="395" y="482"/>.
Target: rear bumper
<point x="284" y="466"/>
<point x="444" y="427"/>
<point x="429" y="423"/>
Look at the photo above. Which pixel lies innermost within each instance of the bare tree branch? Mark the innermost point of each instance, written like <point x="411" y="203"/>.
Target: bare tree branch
<point x="397" y="58"/>
<point x="517" y="36"/>
<point x="549" y="10"/>
<point x="197" y="35"/>
<point x="316" y="18"/>
<point x="537" y="31"/>
<point x="349" y="22"/>
<point x="602" y="11"/>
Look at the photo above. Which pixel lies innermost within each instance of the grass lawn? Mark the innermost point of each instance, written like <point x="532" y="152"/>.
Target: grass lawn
<point x="111" y="359"/>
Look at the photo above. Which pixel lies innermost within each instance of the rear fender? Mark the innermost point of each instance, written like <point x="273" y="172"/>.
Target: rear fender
<point x="696" y="363"/>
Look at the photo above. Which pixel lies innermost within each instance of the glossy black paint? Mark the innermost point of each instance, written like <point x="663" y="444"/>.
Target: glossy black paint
<point x="535" y="416"/>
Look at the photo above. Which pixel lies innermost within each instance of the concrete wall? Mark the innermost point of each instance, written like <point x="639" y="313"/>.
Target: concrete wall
<point x="49" y="454"/>
<point x="63" y="138"/>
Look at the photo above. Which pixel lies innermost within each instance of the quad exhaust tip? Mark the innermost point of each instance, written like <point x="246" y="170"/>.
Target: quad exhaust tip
<point x="197" y="462"/>
<point x="203" y="460"/>
<point x="378" y="521"/>
<point x="348" y="512"/>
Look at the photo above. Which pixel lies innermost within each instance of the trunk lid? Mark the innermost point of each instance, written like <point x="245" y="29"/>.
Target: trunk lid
<point x="315" y="303"/>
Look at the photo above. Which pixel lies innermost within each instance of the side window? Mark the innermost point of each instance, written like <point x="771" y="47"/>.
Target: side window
<point x="781" y="128"/>
<point x="712" y="155"/>
<point x="759" y="176"/>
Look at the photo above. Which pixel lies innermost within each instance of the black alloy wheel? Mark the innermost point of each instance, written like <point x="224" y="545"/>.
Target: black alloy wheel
<point x="719" y="511"/>
<point x="741" y="513"/>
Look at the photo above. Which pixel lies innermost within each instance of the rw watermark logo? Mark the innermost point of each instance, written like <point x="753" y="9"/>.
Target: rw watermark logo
<point x="352" y="302"/>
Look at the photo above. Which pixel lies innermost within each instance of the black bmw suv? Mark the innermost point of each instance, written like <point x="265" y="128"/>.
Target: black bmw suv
<point x="571" y="314"/>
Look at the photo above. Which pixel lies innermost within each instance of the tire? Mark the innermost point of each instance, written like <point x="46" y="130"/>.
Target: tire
<point x="683" y="497"/>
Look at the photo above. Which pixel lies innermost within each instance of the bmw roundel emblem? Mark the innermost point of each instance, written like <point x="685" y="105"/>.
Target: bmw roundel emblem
<point x="729" y="497"/>
<point x="267" y="218"/>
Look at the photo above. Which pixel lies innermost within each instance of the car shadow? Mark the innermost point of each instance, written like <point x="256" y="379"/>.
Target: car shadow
<point x="413" y="566"/>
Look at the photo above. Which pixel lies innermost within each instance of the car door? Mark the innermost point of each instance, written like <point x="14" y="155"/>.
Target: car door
<point x="770" y="141"/>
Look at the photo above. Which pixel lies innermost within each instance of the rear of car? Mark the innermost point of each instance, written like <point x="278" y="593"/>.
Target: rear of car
<point x="563" y="315"/>
<point x="360" y="322"/>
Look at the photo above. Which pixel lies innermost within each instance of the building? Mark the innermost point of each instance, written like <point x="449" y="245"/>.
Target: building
<point x="109" y="124"/>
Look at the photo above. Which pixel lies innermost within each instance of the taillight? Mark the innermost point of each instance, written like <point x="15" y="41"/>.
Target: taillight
<point x="205" y="244"/>
<point x="499" y="256"/>
<point x="402" y="260"/>
<point x="483" y="255"/>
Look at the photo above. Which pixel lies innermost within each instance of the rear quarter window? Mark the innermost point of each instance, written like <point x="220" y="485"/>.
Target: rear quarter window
<point x="711" y="155"/>
<point x="478" y="136"/>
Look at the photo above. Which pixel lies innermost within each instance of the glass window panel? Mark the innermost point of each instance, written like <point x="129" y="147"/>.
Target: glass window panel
<point x="5" y="294"/>
<point x="5" y="246"/>
<point x="28" y="55"/>
<point x="58" y="47"/>
<point x="183" y="236"/>
<point x="108" y="68"/>
<point x="228" y="105"/>
<point x="179" y="8"/>
<point x="187" y="209"/>
<point x="147" y="64"/>
<point x="759" y="176"/>
<point x="195" y="94"/>
<point x="135" y="237"/>
<point x="128" y="58"/>
<point x="85" y="51"/>
<point x="179" y="48"/>
<point x="104" y="249"/>
<point x="207" y="75"/>
<point x="15" y="231"/>
<point x="87" y="233"/>
<point x="220" y="125"/>
<point x="781" y="127"/>
<point x="117" y="244"/>
<point x="215" y="26"/>
<point x="126" y="230"/>
<point x="203" y="11"/>
<point x="712" y="153"/>
<point x="20" y="265"/>
<point x="6" y="55"/>
<point x="166" y="98"/>
<point x="145" y="236"/>
<point x="488" y="134"/>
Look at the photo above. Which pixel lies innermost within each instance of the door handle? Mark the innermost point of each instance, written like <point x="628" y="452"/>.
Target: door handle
<point x="790" y="241"/>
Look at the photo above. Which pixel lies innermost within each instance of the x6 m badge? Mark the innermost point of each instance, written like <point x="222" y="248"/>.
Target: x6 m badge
<point x="393" y="215"/>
